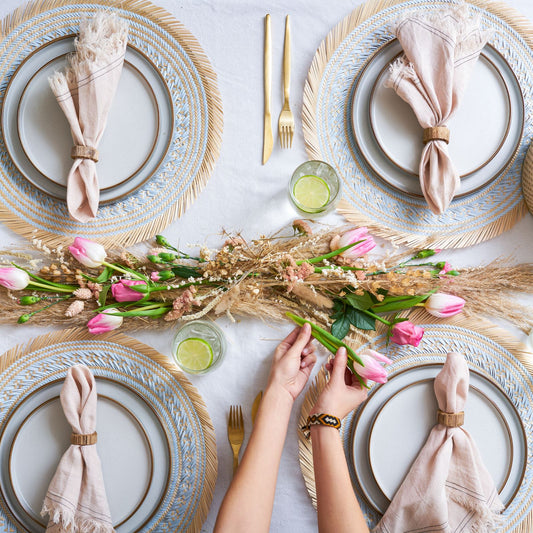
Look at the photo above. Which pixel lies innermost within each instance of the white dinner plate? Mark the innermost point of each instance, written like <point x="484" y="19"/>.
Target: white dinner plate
<point x="132" y="444"/>
<point x="390" y="139"/>
<point x="38" y="138"/>
<point x="394" y="423"/>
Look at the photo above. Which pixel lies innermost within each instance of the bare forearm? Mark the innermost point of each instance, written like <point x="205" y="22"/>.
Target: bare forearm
<point x="248" y="503"/>
<point x="338" y="509"/>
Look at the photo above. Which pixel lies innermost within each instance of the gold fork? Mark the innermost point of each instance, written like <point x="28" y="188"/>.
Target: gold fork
<point x="235" y="433"/>
<point x="286" y="118"/>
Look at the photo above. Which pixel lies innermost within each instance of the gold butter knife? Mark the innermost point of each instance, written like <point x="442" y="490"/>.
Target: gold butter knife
<point x="268" y="139"/>
<point x="255" y="405"/>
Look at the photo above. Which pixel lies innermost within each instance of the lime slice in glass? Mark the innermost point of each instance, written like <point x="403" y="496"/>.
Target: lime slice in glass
<point x="311" y="192"/>
<point x="194" y="354"/>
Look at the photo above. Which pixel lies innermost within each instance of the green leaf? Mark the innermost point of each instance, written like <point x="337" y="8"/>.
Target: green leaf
<point x="184" y="271"/>
<point x="105" y="275"/>
<point x="340" y="327"/>
<point x="103" y="295"/>
<point x="397" y="303"/>
<point x="361" y="320"/>
<point x="361" y="302"/>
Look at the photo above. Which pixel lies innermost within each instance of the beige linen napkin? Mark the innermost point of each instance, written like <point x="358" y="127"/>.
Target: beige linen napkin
<point x="448" y="489"/>
<point x="76" y="498"/>
<point x="85" y="92"/>
<point x="440" y="51"/>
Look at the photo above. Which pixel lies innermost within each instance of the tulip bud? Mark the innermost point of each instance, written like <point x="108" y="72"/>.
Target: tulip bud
<point x="422" y="254"/>
<point x="406" y="332"/>
<point x="444" y="305"/>
<point x="87" y="252"/>
<point x="372" y="368"/>
<point x="104" y="322"/>
<point x="356" y="235"/>
<point x="13" y="278"/>
<point x="29" y="300"/>
<point x="24" y="318"/>
<point x="122" y="293"/>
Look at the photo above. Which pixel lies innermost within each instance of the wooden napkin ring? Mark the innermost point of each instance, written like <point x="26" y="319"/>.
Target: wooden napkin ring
<point x="83" y="440"/>
<point x="451" y="420"/>
<point x="438" y="133"/>
<point x="84" y="152"/>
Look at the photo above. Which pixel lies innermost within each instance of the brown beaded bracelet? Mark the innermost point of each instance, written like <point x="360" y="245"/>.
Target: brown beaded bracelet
<point x="321" y="419"/>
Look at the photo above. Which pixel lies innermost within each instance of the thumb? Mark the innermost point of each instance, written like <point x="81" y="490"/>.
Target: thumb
<point x="339" y="365"/>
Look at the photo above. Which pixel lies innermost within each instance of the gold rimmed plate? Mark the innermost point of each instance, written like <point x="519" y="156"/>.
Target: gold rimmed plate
<point x="389" y="137"/>
<point x="132" y="444"/>
<point x="37" y="136"/>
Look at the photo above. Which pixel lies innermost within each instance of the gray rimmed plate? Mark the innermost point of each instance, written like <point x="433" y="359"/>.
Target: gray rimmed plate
<point x="37" y="135"/>
<point x="390" y="138"/>
<point x="404" y="411"/>
<point x="132" y="444"/>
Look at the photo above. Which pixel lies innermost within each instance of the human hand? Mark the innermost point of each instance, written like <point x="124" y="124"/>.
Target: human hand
<point x="293" y="361"/>
<point x="343" y="392"/>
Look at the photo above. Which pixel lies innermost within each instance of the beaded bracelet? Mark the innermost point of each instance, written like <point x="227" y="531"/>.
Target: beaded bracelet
<point x="320" y="420"/>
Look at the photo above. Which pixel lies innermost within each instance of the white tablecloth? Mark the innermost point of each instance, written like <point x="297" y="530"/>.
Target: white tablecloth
<point x="243" y="195"/>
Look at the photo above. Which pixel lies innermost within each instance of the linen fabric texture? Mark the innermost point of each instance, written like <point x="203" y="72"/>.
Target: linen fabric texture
<point x="448" y="488"/>
<point x="440" y="52"/>
<point x="85" y="92"/>
<point x="76" y="499"/>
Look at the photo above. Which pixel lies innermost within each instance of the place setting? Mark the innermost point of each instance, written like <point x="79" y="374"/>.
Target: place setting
<point x="156" y="149"/>
<point x="360" y="119"/>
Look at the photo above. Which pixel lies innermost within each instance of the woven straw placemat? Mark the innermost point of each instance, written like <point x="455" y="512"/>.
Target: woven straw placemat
<point x="180" y="409"/>
<point x="367" y="199"/>
<point x="196" y="133"/>
<point x="490" y="350"/>
<point x="527" y="178"/>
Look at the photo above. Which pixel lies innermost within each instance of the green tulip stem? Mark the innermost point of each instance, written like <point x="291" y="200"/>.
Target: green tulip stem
<point x="52" y="288"/>
<point x="118" y="269"/>
<point x="331" y="254"/>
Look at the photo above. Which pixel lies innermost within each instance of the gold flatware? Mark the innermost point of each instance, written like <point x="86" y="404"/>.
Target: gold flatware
<point x="286" y="118"/>
<point x="268" y="138"/>
<point x="255" y="405"/>
<point x="235" y="433"/>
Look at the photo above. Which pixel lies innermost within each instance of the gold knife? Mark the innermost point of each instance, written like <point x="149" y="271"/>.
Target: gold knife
<point x="268" y="139"/>
<point x="255" y="405"/>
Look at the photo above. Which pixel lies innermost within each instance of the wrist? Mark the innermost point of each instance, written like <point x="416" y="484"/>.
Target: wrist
<point x="279" y="395"/>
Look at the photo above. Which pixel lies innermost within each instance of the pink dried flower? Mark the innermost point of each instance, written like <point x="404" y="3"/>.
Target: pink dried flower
<point x="75" y="308"/>
<point x="183" y="304"/>
<point x="301" y="226"/>
<point x="446" y="268"/>
<point x="234" y="242"/>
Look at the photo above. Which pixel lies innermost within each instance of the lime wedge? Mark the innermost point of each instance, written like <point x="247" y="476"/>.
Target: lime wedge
<point x="311" y="192"/>
<point x="194" y="354"/>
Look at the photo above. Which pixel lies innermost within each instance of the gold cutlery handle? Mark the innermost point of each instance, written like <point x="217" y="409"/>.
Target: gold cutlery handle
<point x="287" y="61"/>
<point x="268" y="63"/>
<point x="235" y="462"/>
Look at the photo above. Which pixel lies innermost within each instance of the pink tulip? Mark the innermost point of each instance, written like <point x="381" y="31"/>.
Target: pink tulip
<point x="88" y="253"/>
<point x="122" y="293"/>
<point x="13" y="278"/>
<point x="372" y="369"/>
<point x="355" y="235"/>
<point x="446" y="268"/>
<point x="444" y="305"/>
<point x="407" y="333"/>
<point x="104" y="322"/>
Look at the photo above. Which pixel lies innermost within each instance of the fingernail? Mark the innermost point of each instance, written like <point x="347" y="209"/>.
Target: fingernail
<point x="302" y="364"/>
<point x="305" y="351"/>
